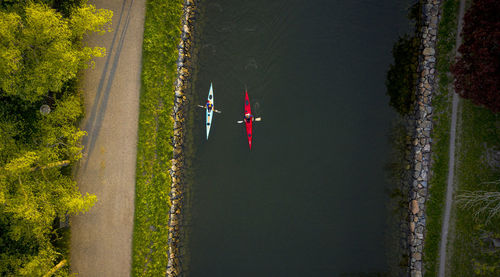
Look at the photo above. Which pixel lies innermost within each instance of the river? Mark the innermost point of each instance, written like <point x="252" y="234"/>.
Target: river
<point x="310" y="198"/>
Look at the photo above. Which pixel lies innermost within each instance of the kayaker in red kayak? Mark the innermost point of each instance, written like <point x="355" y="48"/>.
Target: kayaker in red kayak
<point x="249" y="117"/>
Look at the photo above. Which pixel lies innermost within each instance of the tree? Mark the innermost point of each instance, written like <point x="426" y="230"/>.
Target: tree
<point x="402" y="75"/>
<point x="40" y="51"/>
<point x="40" y="55"/>
<point x="481" y="202"/>
<point x="477" y="70"/>
<point x="31" y="200"/>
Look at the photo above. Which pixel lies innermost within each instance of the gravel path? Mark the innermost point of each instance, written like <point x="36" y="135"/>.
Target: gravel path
<point x="451" y="165"/>
<point x="101" y="240"/>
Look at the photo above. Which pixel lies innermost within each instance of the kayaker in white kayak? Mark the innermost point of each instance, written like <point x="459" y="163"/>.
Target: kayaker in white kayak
<point x="209" y="105"/>
<point x="248" y="117"/>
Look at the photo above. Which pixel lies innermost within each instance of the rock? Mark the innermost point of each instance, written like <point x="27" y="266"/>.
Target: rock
<point x="427" y="147"/>
<point x="418" y="166"/>
<point x="419" y="156"/>
<point x="417" y="256"/>
<point x="416" y="174"/>
<point x="423" y="141"/>
<point x="414" y="207"/>
<point x="427" y="52"/>
<point x="415" y="142"/>
<point x="418" y="266"/>
<point x="412" y="227"/>
<point x="434" y="20"/>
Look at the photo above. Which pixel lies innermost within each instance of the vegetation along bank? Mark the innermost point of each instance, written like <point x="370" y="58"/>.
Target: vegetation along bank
<point x="167" y="44"/>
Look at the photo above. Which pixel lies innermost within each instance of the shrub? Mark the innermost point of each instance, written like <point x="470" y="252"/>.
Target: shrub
<point x="477" y="71"/>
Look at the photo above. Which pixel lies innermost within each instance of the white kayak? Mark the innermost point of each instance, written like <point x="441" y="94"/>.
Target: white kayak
<point x="211" y="112"/>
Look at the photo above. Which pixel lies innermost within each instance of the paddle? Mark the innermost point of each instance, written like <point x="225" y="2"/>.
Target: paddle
<point x="255" y="119"/>
<point x="217" y="111"/>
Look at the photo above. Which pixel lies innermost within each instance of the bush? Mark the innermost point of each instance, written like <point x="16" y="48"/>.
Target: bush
<point x="477" y="71"/>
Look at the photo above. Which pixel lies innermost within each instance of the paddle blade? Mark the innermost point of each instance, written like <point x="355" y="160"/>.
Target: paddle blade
<point x="258" y="119"/>
<point x="239" y="121"/>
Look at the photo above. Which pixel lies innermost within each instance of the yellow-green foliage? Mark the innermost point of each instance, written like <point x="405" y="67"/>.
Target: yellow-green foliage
<point x="41" y="52"/>
<point x="40" y="55"/>
<point x="161" y="38"/>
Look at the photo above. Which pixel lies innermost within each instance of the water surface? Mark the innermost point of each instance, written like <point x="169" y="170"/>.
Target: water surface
<point x="310" y="198"/>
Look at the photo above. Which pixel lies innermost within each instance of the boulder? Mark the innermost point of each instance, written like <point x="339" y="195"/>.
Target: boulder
<point x="414" y="206"/>
<point x="427" y="52"/>
<point x="417" y="256"/>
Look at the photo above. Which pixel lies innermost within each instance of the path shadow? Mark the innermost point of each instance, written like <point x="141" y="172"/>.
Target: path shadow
<point x="96" y="116"/>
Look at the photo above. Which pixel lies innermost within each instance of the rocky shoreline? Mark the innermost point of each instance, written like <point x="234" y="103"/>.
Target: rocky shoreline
<point x="421" y="141"/>
<point x="177" y="192"/>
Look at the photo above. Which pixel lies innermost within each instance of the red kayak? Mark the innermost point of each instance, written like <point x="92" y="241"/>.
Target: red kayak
<point x="248" y="122"/>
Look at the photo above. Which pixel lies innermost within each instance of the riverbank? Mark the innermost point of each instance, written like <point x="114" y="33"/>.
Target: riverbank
<point x="422" y="135"/>
<point x="162" y="31"/>
<point x="464" y="248"/>
<point x="177" y="192"/>
<point x="159" y="187"/>
<point x="440" y="135"/>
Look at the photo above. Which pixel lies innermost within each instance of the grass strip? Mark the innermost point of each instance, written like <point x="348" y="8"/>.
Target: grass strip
<point x="162" y="30"/>
<point x="440" y="135"/>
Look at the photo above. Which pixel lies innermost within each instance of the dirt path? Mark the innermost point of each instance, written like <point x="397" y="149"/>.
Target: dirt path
<point x="451" y="164"/>
<point x="101" y="240"/>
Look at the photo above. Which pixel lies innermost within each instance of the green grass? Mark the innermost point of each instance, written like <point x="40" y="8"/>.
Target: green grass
<point x="478" y="131"/>
<point x="154" y="152"/>
<point x="440" y="135"/>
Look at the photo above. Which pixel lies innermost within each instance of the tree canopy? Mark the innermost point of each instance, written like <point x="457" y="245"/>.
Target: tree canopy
<point x="39" y="50"/>
<point x="477" y="70"/>
<point x="41" y="53"/>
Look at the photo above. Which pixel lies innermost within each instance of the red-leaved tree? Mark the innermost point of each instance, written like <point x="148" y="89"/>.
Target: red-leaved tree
<point x="477" y="71"/>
